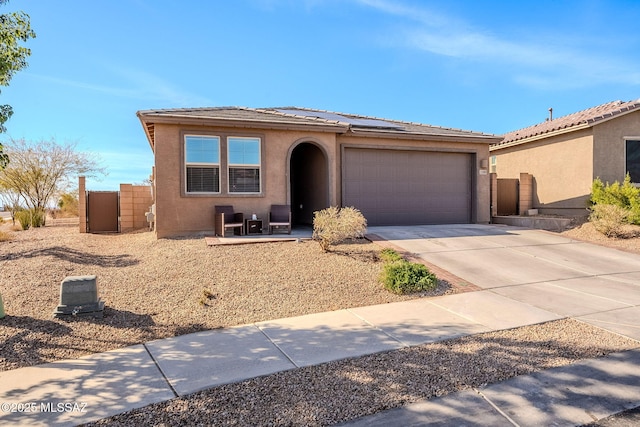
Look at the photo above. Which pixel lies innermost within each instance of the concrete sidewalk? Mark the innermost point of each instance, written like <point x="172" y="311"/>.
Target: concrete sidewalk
<point x="76" y="391"/>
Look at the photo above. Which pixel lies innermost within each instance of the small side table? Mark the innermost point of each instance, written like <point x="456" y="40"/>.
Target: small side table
<point x="253" y="226"/>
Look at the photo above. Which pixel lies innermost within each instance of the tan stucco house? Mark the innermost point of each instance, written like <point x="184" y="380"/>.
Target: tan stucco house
<point x="395" y="172"/>
<point x="564" y="155"/>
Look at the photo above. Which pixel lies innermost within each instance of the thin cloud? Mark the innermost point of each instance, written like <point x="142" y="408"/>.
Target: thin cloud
<point x="139" y="85"/>
<point x="541" y="65"/>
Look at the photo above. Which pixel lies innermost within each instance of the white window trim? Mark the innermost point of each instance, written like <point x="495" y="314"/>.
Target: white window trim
<point x="245" y="165"/>
<point x="203" y="165"/>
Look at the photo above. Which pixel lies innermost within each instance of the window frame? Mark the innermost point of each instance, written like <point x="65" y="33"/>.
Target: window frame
<point x="187" y="164"/>
<point x="627" y="140"/>
<point x="493" y="164"/>
<point x="230" y="166"/>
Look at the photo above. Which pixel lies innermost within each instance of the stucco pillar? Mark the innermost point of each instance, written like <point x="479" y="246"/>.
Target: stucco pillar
<point x="526" y="193"/>
<point x="126" y="207"/>
<point x="494" y="194"/>
<point x="82" y="204"/>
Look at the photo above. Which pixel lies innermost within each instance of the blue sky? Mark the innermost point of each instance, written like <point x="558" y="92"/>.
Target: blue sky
<point x="490" y="66"/>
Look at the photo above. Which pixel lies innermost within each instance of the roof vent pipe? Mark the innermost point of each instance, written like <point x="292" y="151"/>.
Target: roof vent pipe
<point x="550" y="114"/>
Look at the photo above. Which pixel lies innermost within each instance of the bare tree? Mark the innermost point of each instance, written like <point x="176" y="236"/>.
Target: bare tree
<point x="40" y="171"/>
<point x="11" y="201"/>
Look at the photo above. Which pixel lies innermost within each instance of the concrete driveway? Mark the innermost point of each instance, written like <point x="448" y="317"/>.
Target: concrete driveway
<point x="598" y="285"/>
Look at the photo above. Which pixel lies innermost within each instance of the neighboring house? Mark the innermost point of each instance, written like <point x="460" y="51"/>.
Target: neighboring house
<point x="395" y="172"/>
<point x="564" y="155"/>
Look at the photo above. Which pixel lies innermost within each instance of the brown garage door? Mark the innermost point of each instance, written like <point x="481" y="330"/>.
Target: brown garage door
<point x="397" y="187"/>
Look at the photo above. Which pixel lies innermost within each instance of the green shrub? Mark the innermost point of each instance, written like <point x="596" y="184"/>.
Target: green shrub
<point x="625" y="196"/>
<point x="389" y="255"/>
<point x="24" y="218"/>
<point x="609" y="219"/>
<point x="403" y="277"/>
<point x="335" y="225"/>
<point x="30" y="218"/>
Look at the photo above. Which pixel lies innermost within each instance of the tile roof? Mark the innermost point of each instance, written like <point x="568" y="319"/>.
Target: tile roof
<point x="589" y="117"/>
<point x="305" y="117"/>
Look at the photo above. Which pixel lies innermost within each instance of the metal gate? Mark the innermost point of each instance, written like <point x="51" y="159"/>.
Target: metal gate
<point x="102" y="211"/>
<point x="508" y="196"/>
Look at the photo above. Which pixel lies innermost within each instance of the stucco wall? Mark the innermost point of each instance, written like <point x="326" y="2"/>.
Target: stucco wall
<point x="562" y="169"/>
<point x="609" y="146"/>
<point x="178" y="213"/>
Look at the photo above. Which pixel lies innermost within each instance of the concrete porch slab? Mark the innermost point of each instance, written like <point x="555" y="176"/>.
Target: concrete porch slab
<point x="625" y="321"/>
<point x="323" y="337"/>
<point x="494" y="311"/>
<point x="418" y="322"/>
<point x="296" y="234"/>
<point x="556" y="299"/>
<point x="207" y="359"/>
<point x="72" y="392"/>
<point x="572" y="395"/>
<point x="538" y="222"/>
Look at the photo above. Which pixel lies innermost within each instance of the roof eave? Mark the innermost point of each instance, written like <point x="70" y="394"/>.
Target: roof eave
<point x="380" y="133"/>
<point x="244" y="123"/>
<point x="148" y="131"/>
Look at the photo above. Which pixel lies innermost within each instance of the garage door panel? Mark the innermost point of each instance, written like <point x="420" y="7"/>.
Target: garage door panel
<point x="408" y="187"/>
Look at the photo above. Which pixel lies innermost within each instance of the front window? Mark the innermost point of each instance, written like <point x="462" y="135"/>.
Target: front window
<point x="632" y="160"/>
<point x="244" y="164"/>
<point x="202" y="154"/>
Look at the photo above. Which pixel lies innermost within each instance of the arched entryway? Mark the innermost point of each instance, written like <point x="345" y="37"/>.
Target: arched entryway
<point x="309" y="182"/>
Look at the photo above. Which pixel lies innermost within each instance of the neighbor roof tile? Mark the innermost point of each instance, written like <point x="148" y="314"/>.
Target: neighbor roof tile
<point x="589" y="117"/>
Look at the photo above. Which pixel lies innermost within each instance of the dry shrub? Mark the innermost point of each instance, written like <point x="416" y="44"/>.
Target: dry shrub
<point x="335" y="225"/>
<point x="609" y="219"/>
<point x="4" y="236"/>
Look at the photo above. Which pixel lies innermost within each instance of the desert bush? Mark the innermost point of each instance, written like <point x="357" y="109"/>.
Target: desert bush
<point x="625" y="196"/>
<point x="68" y="205"/>
<point x="403" y="277"/>
<point x="4" y="236"/>
<point x="335" y="225"/>
<point x="30" y="218"/>
<point x="609" y="219"/>
<point x="389" y="255"/>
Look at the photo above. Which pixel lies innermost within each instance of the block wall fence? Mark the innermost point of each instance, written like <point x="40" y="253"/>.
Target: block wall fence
<point x="135" y="202"/>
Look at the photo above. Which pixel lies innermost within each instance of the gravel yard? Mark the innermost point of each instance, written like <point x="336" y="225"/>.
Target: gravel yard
<point x="157" y="288"/>
<point x="161" y="288"/>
